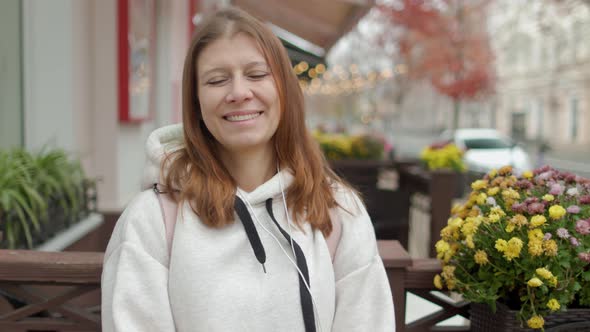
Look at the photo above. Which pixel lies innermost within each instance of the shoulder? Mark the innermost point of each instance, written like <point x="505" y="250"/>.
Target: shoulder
<point x="141" y="225"/>
<point x="358" y="245"/>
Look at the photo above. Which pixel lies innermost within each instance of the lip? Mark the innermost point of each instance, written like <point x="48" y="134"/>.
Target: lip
<point x="241" y="113"/>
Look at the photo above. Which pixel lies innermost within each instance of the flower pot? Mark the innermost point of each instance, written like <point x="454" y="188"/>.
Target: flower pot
<point x="506" y="320"/>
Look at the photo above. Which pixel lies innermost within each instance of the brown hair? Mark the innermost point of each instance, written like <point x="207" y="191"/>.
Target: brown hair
<point x="196" y="169"/>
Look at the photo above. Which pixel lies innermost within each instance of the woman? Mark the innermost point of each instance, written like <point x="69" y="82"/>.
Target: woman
<point x="257" y="204"/>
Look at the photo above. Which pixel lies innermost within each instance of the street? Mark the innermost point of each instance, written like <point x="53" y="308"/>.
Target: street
<point x="565" y="157"/>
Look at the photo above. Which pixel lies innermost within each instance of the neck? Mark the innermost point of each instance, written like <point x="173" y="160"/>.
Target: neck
<point x="250" y="169"/>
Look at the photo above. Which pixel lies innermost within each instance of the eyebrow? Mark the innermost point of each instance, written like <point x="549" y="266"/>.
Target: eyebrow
<point x="249" y="64"/>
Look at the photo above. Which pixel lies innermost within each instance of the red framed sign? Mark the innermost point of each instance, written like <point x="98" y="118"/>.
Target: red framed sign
<point x="136" y="59"/>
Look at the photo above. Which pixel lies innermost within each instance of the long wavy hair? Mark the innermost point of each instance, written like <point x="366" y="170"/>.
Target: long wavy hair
<point x="196" y="169"/>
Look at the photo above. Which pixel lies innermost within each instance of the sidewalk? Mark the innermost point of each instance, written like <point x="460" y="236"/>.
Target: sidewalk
<point x="567" y="157"/>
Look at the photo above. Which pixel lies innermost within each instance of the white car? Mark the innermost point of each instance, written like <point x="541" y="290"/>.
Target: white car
<point x="486" y="149"/>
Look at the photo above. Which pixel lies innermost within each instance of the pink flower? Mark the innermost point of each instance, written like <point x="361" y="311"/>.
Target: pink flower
<point x="569" y="177"/>
<point x="519" y="207"/>
<point x="563" y="233"/>
<point x="583" y="227"/>
<point x="585" y="256"/>
<point x="573" y="209"/>
<point x="547" y="236"/>
<point x="545" y="176"/>
<point x="524" y="184"/>
<point x="536" y="208"/>
<point x="585" y="199"/>
<point x="556" y="189"/>
<point x="542" y="169"/>
<point x="574" y="241"/>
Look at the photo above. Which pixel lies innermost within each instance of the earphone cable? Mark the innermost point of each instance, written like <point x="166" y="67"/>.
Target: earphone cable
<point x="318" y="323"/>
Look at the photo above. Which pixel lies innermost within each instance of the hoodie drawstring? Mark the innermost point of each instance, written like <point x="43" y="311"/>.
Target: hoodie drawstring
<point x="260" y="253"/>
<point x="251" y="232"/>
<point x="305" y="296"/>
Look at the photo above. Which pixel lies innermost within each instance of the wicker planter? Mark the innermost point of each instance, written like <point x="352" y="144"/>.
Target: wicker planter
<point x="505" y="320"/>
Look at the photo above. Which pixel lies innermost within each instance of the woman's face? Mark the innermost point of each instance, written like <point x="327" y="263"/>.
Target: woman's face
<point x="237" y="94"/>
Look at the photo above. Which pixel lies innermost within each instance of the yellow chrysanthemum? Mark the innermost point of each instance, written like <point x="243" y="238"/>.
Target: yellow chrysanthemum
<point x="535" y="234"/>
<point x="455" y="223"/>
<point x="510" y="193"/>
<point x="451" y="283"/>
<point x="535" y="322"/>
<point x="534" y="282"/>
<point x="527" y="175"/>
<point x="501" y="245"/>
<point x="448" y="271"/>
<point x="481" y="198"/>
<point x="550" y="248"/>
<point x="556" y="212"/>
<point x="513" y="249"/>
<point x="493" y="218"/>
<point x="456" y="208"/>
<point x="493" y="173"/>
<point x="498" y="210"/>
<point x="481" y="257"/>
<point x="469" y="227"/>
<point x="538" y="220"/>
<point x="519" y="220"/>
<point x="548" y="198"/>
<point x="447" y="233"/>
<point x="493" y="191"/>
<point x="535" y="247"/>
<point x="505" y="170"/>
<point x="552" y="282"/>
<point x="442" y="247"/>
<point x="438" y="281"/>
<point x="553" y="305"/>
<point x="469" y="242"/>
<point x="544" y="273"/>
<point x="479" y="184"/>
<point x="510" y="228"/>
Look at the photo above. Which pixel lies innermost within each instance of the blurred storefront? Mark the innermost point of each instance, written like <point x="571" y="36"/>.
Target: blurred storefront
<point x="95" y="77"/>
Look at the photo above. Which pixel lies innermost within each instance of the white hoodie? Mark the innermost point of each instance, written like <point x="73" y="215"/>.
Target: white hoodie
<point x="212" y="280"/>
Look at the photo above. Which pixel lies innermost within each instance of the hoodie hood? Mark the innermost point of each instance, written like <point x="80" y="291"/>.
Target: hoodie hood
<point x="171" y="138"/>
<point x="160" y="142"/>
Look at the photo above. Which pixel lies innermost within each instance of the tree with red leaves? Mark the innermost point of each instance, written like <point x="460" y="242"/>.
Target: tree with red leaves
<point x="445" y="42"/>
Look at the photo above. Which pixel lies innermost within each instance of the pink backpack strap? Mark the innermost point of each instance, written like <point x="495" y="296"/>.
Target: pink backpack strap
<point x="334" y="238"/>
<point x="169" y="210"/>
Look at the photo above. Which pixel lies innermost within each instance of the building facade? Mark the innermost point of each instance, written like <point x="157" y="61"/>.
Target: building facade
<point x="543" y="68"/>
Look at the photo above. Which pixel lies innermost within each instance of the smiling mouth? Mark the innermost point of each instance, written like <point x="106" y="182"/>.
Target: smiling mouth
<point x="242" y="117"/>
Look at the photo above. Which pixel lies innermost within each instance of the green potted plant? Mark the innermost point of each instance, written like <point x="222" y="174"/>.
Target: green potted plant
<point x="521" y="244"/>
<point x="40" y="194"/>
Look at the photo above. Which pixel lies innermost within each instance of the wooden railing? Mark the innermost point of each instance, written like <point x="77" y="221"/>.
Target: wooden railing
<point x="45" y="291"/>
<point x="42" y="291"/>
<point x="416" y="276"/>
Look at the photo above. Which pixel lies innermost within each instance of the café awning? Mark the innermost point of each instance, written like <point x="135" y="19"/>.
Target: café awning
<point x="311" y="25"/>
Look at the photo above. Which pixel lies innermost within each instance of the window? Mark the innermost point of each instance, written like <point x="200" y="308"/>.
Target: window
<point x="574" y="119"/>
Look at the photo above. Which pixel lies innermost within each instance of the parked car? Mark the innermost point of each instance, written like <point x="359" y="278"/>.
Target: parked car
<point x="486" y="149"/>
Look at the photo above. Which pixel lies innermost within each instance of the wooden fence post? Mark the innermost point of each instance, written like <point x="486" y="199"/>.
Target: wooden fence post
<point x="442" y="188"/>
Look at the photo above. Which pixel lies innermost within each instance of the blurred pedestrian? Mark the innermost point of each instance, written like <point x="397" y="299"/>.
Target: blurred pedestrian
<point x="267" y="237"/>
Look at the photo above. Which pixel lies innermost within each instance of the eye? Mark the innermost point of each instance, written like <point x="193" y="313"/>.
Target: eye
<point x="258" y="75"/>
<point x="216" y="81"/>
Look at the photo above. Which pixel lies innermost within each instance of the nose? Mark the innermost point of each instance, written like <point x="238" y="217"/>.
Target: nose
<point x="239" y="91"/>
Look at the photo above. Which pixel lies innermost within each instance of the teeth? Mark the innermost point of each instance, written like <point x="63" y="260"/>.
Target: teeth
<point x="242" y="117"/>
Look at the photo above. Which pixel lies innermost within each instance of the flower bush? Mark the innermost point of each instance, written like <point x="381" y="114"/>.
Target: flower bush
<point x="443" y="156"/>
<point x="521" y="240"/>
<point x="341" y="146"/>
